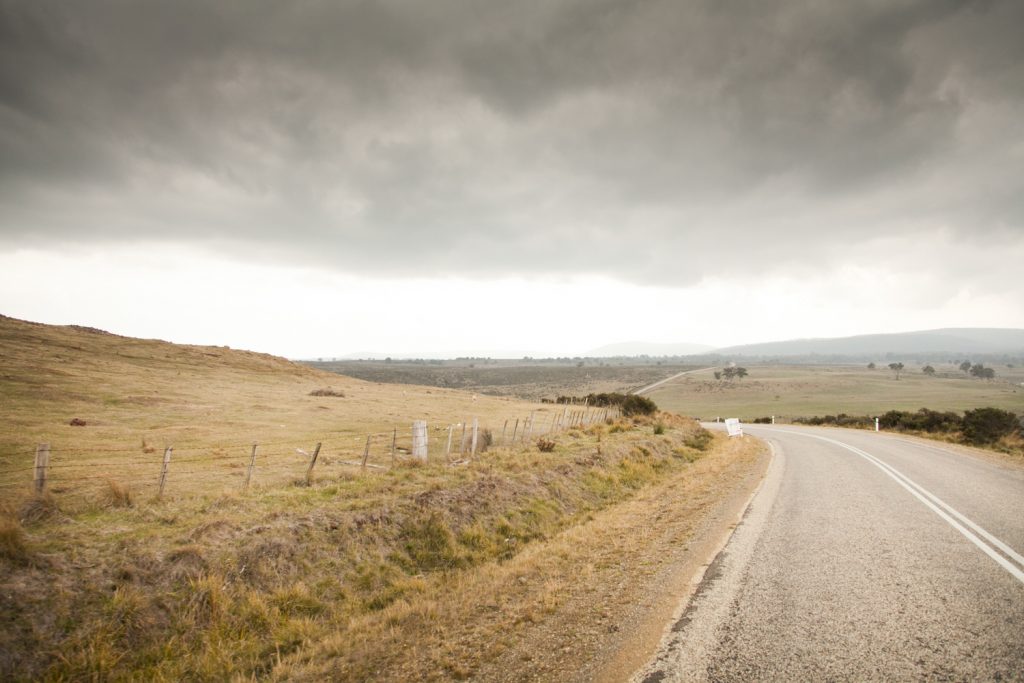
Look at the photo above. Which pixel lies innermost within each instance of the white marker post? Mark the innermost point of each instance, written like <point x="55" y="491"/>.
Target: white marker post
<point x="876" y="424"/>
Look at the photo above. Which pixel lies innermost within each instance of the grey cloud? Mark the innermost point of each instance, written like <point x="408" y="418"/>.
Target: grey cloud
<point x="638" y="138"/>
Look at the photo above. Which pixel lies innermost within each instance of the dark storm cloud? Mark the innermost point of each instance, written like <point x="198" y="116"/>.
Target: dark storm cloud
<point x="615" y="137"/>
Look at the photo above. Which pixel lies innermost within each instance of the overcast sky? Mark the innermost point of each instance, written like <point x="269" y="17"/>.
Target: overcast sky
<point x="320" y="178"/>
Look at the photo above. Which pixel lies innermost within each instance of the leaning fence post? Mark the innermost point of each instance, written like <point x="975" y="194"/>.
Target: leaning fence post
<point x="476" y="429"/>
<point x="312" y="462"/>
<point x="163" y="471"/>
<point x="514" y="430"/>
<point x="394" y="445"/>
<point x="448" y="449"/>
<point x="366" y="451"/>
<point x="42" y="463"/>
<point x="248" y="472"/>
<point x="504" y="427"/>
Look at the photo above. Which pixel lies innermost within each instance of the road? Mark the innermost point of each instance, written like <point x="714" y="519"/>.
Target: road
<point x="644" y="390"/>
<point x="862" y="557"/>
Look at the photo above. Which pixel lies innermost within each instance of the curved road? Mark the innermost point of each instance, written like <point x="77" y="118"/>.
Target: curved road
<point x="862" y="557"/>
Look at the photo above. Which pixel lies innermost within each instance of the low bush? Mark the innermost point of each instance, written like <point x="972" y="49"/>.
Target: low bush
<point x="980" y="427"/>
<point x="630" y="404"/>
<point x="988" y="425"/>
<point x="327" y="392"/>
<point x="545" y="445"/>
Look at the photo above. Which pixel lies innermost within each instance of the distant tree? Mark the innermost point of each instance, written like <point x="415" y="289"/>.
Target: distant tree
<point x="871" y="366"/>
<point x="965" y="367"/>
<point x="896" y="368"/>
<point x="718" y="374"/>
<point x="741" y="372"/>
<point x="388" y="359"/>
<point x="980" y="371"/>
<point x="729" y="372"/>
<point x="928" y="370"/>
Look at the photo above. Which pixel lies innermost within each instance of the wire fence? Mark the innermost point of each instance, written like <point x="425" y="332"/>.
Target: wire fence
<point x="147" y="472"/>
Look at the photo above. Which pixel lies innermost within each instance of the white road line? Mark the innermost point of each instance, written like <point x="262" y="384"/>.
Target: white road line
<point x="933" y="502"/>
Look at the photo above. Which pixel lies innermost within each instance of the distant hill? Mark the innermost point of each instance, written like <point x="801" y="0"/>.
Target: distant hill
<point x="953" y="340"/>
<point x="638" y="348"/>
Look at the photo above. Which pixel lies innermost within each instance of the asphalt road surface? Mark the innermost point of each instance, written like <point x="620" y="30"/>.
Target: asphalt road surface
<point x="863" y="557"/>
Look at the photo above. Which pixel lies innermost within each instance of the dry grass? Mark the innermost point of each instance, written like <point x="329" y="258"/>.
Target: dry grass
<point x="245" y="585"/>
<point x="12" y="541"/>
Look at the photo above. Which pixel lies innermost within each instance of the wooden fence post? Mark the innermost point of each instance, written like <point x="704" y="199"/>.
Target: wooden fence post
<point x="528" y="430"/>
<point x="419" y="440"/>
<point x="248" y="472"/>
<point x="163" y="471"/>
<point x="514" y="430"/>
<point x="462" y="441"/>
<point x="42" y="463"/>
<point x="448" y="450"/>
<point x="394" y="445"/>
<point x="366" y="451"/>
<point x="504" y="427"/>
<point x="476" y="429"/>
<point x="312" y="462"/>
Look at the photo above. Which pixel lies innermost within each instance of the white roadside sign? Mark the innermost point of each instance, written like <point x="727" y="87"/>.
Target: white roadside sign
<point x="732" y="425"/>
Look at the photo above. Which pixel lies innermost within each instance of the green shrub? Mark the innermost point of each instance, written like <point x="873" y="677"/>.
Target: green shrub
<point x="638" y="405"/>
<point x="988" y="425"/>
<point x="659" y="429"/>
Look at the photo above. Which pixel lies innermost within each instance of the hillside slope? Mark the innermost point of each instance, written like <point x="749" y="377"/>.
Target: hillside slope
<point x="138" y="396"/>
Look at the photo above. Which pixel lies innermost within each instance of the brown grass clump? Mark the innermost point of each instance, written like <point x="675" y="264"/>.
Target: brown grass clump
<point x="12" y="541"/>
<point x="545" y="445"/>
<point x="327" y="392"/>
<point x="37" y="508"/>
<point x="115" y="495"/>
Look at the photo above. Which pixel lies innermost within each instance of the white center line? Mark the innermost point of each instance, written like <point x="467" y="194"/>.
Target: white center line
<point x="942" y="509"/>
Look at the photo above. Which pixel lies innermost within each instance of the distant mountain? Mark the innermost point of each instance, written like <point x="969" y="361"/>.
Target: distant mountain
<point x="638" y="348"/>
<point x="952" y="340"/>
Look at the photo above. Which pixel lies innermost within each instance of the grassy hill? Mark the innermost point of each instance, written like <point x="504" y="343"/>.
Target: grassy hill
<point x="138" y="396"/>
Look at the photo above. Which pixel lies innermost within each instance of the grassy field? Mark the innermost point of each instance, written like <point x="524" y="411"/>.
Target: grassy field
<point x="532" y="380"/>
<point x="807" y="390"/>
<point x="342" y="578"/>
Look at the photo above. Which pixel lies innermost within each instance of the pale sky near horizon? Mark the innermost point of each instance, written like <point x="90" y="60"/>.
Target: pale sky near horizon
<point x="329" y="178"/>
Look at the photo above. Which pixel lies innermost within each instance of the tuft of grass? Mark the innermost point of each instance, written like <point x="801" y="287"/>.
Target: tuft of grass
<point x="700" y="439"/>
<point x="38" y="507"/>
<point x="327" y="392"/>
<point x="116" y="495"/>
<point x="545" y="445"/>
<point x="659" y="429"/>
<point x="12" y="541"/>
